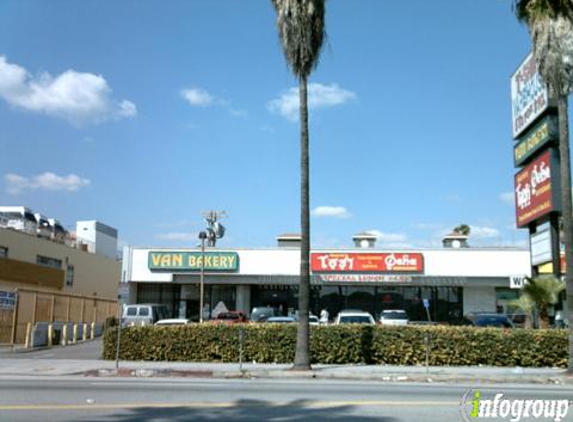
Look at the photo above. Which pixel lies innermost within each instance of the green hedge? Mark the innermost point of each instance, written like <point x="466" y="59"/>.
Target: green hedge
<point x="275" y="343"/>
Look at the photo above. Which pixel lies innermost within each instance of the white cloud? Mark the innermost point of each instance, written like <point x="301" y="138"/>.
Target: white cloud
<point x="239" y="113"/>
<point x="334" y="212"/>
<point x="319" y="96"/>
<point x="388" y="237"/>
<point x="427" y="226"/>
<point x="198" y="97"/>
<point x="73" y="96"/>
<point x="178" y="236"/>
<point x="48" y="181"/>
<point x="452" y="197"/>
<point x="507" y="198"/>
<point x="478" y="232"/>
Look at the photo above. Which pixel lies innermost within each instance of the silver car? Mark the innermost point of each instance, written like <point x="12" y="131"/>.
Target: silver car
<point x="394" y="317"/>
<point x="354" y="317"/>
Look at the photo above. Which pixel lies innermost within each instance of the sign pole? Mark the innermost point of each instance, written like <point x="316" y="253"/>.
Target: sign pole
<point x="202" y="236"/>
<point x="119" y="323"/>
<point x="555" y="245"/>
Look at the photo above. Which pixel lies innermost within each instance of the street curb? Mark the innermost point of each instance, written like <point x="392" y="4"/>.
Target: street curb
<point x="147" y="373"/>
<point x="313" y="374"/>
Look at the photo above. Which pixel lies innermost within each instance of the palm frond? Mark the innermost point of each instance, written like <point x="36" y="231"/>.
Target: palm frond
<point x="543" y="290"/>
<point x="524" y="303"/>
<point x="301" y="29"/>
<point x="529" y="11"/>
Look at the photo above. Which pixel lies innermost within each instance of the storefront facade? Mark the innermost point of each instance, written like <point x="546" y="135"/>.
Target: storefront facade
<point x="452" y="282"/>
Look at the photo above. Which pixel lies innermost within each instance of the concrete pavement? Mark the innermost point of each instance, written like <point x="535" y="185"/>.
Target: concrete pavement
<point x="82" y="360"/>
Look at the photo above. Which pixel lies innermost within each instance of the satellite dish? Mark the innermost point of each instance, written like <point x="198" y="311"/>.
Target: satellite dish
<point x="219" y="230"/>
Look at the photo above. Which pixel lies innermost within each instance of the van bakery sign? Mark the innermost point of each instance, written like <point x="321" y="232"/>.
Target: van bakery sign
<point x="537" y="189"/>
<point x="193" y="261"/>
<point x="367" y="262"/>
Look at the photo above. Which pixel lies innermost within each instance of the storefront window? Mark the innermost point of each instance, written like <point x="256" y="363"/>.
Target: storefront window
<point x="166" y="294"/>
<point x="284" y="298"/>
<point x="222" y="298"/>
<point x="445" y="302"/>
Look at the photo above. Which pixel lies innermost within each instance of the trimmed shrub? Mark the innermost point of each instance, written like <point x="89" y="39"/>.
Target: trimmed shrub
<point x="343" y="344"/>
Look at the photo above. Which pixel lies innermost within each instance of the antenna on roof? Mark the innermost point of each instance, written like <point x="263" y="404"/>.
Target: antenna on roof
<point x="215" y="230"/>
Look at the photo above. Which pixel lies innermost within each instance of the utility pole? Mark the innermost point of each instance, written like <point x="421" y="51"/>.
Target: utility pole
<point x="214" y="231"/>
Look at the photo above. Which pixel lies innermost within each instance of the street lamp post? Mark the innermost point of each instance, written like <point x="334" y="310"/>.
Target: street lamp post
<point x="202" y="236"/>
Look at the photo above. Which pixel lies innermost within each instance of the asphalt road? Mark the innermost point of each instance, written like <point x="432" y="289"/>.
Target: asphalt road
<point x="129" y="400"/>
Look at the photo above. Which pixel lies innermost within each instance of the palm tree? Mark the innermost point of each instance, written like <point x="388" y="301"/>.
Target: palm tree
<point x="542" y="292"/>
<point x="300" y="25"/>
<point x="524" y="304"/>
<point x="550" y="24"/>
<point x="463" y="229"/>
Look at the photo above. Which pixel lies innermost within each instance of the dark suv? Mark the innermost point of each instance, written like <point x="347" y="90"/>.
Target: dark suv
<point x="487" y="319"/>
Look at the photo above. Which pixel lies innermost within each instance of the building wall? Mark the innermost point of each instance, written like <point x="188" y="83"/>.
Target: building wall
<point x="479" y="299"/>
<point x="93" y="274"/>
<point x="469" y="262"/>
<point x="100" y="238"/>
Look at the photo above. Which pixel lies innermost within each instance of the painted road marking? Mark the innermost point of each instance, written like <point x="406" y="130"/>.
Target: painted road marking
<point x="309" y="405"/>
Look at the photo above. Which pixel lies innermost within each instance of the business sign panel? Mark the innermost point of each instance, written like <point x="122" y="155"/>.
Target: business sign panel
<point x="7" y="300"/>
<point x="517" y="281"/>
<point x="540" y="245"/>
<point x="537" y="189"/>
<point x="192" y="261"/>
<point x="367" y="262"/>
<point x="543" y="133"/>
<point x="529" y="96"/>
<point x="365" y="278"/>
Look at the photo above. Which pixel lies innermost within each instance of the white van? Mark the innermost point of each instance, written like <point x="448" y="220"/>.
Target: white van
<point x="143" y="314"/>
<point x="20" y="218"/>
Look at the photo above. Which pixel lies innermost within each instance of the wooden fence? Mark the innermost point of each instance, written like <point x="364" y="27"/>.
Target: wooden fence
<point x="34" y="306"/>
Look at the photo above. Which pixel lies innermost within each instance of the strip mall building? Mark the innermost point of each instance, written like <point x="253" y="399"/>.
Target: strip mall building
<point x="454" y="281"/>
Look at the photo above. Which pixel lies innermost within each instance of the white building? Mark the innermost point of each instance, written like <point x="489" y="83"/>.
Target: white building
<point x="98" y="238"/>
<point x="454" y="281"/>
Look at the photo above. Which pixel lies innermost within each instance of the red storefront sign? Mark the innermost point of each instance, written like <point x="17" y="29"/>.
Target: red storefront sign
<point x="537" y="189"/>
<point x="367" y="262"/>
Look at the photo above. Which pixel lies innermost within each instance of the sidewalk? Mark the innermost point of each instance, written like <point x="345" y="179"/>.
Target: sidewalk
<point x="101" y="368"/>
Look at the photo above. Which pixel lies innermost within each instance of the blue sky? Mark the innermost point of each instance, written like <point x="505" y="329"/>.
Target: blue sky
<point x="142" y="114"/>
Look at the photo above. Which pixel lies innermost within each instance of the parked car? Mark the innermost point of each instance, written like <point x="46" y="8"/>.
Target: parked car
<point x="262" y="313"/>
<point x="313" y="320"/>
<point x="394" y="317"/>
<point x="487" y="319"/>
<point x="230" y="317"/>
<point x="172" y="321"/>
<point x="354" y="317"/>
<point x="143" y="314"/>
<point x="281" y="320"/>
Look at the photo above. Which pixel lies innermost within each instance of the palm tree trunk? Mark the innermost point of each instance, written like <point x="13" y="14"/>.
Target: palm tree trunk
<point x="302" y="359"/>
<point x="567" y="217"/>
<point x="543" y="317"/>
